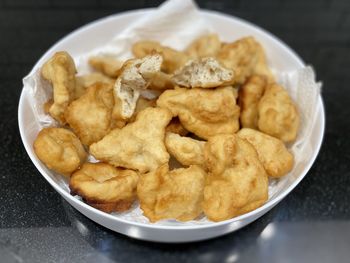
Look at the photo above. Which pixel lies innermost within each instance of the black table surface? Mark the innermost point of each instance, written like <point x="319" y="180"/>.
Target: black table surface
<point x="310" y="225"/>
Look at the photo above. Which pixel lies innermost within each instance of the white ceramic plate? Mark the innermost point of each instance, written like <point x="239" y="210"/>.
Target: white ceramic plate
<point x="95" y="34"/>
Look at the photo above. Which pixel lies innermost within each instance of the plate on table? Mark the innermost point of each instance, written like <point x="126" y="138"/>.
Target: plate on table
<point x="95" y="34"/>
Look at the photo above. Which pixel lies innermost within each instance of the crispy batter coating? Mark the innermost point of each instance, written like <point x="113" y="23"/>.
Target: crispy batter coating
<point x="245" y="57"/>
<point x="204" y="46"/>
<point x="109" y="66"/>
<point x="249" y="96"/>
<point x="203" y="73"/>
<point x="90" y="116"/>
<point x="60" y="150"/>
<point x="186" y="150"/>
<point x="60" y="71"/>
<point x="175" y="126"/>
<point x="175" y="194"/>
<point x="84" y="81"/>
<point x="131" y="80"/>
<point x="139" y="145"/>
<point x="205" y="112"/>
<point x="142" y="103"/>
<point x="105" y="187"/>
<point x="237" y="182"/>
<point x="272" y="152"/>
<point x="160" y="81"/>
<point x="173" y="59"/>
<point x="47" y="105"/>
<point x="278" y="115"/>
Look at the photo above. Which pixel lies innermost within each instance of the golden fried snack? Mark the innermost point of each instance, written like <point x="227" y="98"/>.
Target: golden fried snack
<point x="60" y="71"/>
<point x="105" y="187"/>
<point x="272" y="152"/>
<point x="203" y="73"/>
<point x="173" y="59"/>
<point x="186" y="150"/>
<point x="84" y="81"/>
<point x="237" y="182"/>
<point x="235" y="91"/>
<point x="204" y="46"/>
<point x="160" y="81"/>
<point x="245" y="57"/>
<point x="205" y="112"/>
<point x="90" y="116"/>
<point x="142" y="103"/>
<point x="47" y="105"/>
<point x="175" y="194"/>
<point x="60" y="150"/>
<point x="175" y="126"/>
<point x="249" y="96"/>
<point x="131" y="81"/>
<point x="278" y="115"/>
<point x="139" y="145"/>
<point x="109" y="66"/>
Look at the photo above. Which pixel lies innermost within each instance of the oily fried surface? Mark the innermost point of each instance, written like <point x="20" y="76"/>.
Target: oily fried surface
<point x="278" y="115"/>
<point x="84" y="81"/>
<point x="105" y="187"/>
<point x="142" y="103"/>
<point x="249" y="96"/>
<point x="186" y="150"/>
<point x="109" y="66"/>
<point x="175" y="126"/>
<point x="47" y="105"/>
<point x="132" y="79"/>
<point x="139" y="145"/>
<point x="60" y="71"/>
<point x="204" y="46"/>
<point x="205" y="112"/>
<point x="90" y="115"/>
<point x="272" y="152"/>
<point x="59" y="149"/>
<point x="173" y="59"/>
<point x="175" y="194"/>
<point x="245" y="57"/>
<point x="160" y="81"/>
<point x="203" y="73"/>
<point x="237" y="182"/>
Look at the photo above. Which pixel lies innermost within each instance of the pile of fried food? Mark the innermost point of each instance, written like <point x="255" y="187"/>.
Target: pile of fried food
<point x="218" y="112"/>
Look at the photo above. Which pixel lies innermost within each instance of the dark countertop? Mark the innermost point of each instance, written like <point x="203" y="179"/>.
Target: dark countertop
<point x="312" y="224"/>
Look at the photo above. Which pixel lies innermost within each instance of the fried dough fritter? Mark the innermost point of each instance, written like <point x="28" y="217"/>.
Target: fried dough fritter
<point x="278" y="115"/>
<point x="204" y="46"/>
<point x="204" y="112"/>
<point x="237" y="182"/>
<point x="142" y="103"/>
<point x="173" y="59"/>
<point x="175" y="194"/>
<point x="160" y="81"/>
<point x="272" y="152"/>
<point x="60" y="150"/>
<point x="245" y="57"/>
<point x="105" y="187"/>
<point x="139" y="145"/>
<point x="175" y="126"/>
<point x="132" y="79"/>
<point x="60" y="71"/>
<point x="186" y="150"/>
<point x="90" y="116"/>
<point x="84" y="81"/>
<point x="249" y="96"/>
<point x="47" y="105"/>
<point x="203" y="73"/>
<point x="109" y="66"/>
